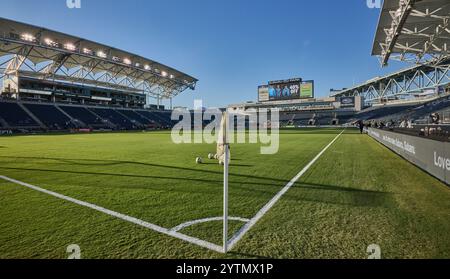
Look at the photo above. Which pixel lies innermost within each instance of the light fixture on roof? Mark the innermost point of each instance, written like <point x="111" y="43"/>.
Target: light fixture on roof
<point x="164" y="74"/>
<point x="101" y="54"/>
<point x="127" y="61"/>
<point x="87" y="51"/>
<point x="137" y="64"/>
<point x="51" y="43"/>
<point x="147" y="67"/>
<point x="70" y="47"/>
<point x="28" y="37"/>
<point x="171" y="76"/>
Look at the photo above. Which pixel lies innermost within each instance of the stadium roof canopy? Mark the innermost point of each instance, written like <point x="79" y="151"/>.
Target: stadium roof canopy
<point x="413" y="30"/>
<point x="72" y="58"/>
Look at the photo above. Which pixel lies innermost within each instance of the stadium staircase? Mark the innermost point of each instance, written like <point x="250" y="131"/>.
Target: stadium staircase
<point x="76" y="122"/>
<point x="37" y="120"/>
<point x="130" y="118"/>
<point x="107" y="121"/>
<point x="50" y="116"/>
<point x="14" y="116"/>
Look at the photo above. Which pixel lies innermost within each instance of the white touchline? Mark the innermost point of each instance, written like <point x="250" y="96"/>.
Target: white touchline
<point x="124" y="217"/>
<point x="238" y="236"/>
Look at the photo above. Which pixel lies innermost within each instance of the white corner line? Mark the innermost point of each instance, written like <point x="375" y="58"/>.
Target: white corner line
<point x="206" y="220"/>
<point x="193" y="240"/>
<point x="238" y="236"/>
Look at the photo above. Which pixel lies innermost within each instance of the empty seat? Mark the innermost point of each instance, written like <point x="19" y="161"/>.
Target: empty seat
<point x="157" y="117"/>
<point x="114" y="117"/>
<point x="85" y="116"/>
<point x="135" y="117"/>
<point x="50" y="116"/>
<point x="15" y="116"/>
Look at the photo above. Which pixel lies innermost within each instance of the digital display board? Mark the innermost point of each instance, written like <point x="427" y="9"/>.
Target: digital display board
<point x="307" y="89"/>
<point x="291" y="89"/>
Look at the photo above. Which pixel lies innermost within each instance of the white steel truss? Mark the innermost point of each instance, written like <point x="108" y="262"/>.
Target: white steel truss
<point x="413" y="31"/>
<point x="402" y="84"/>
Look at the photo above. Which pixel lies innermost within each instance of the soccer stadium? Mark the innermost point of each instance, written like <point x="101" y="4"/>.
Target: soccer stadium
<point x="89" y="167"/>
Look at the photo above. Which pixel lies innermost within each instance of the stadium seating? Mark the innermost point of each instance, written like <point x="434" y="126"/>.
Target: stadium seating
<point x="422" y="111"/>
<point x="120" y="121"/>
<point x="374" y="113"/>
<point x="50" y="116"/>
<point x="165" y="117"/>
<point x="29" y="115"/>
<point x="414" y="112"/>
<point x="158" y="117"/>
<point x="84" y="115"/>
<point x="15" y="116"/>
<point x="136" y="118"/>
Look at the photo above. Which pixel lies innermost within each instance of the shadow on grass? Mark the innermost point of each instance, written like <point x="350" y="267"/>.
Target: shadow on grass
<point x="309" y="192"/>
<point x="199" y="180"/>
<point x="95" y="162"/>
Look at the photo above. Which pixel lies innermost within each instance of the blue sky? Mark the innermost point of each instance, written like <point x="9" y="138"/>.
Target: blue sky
<point x="231" y="46"/>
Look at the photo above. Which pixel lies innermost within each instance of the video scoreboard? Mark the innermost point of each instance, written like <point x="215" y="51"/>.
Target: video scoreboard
<point x="290" y="89"/>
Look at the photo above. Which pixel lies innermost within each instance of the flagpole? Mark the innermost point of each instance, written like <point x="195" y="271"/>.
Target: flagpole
<point x="225" y="200"/>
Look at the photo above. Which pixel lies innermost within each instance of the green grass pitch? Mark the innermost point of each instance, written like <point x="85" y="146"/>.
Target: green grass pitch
<point x="358" y="193"/>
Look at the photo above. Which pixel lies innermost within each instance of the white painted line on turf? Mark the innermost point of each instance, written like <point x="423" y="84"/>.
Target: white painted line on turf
<point x="206" y="220"/>
<point x="193" y="240"/>
<point x="238" y="236"/>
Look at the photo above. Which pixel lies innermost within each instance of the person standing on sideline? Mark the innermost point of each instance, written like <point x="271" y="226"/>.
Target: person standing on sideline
<point x="361" y="126"/>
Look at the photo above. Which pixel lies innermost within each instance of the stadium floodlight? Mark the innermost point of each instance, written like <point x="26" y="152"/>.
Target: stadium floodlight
<point x="101" y="54"/>
<point x="87" y="51"/>
<point x="28" y="37"/>
<point x="172" y="76"/>
<point x="164" y="73"/>
<point x="70" y="46"/>
<point x="127" y="61"/>
<point x="137" y="64"/>
<point x="50" y="42"/>
<point x="147" y="67"/>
